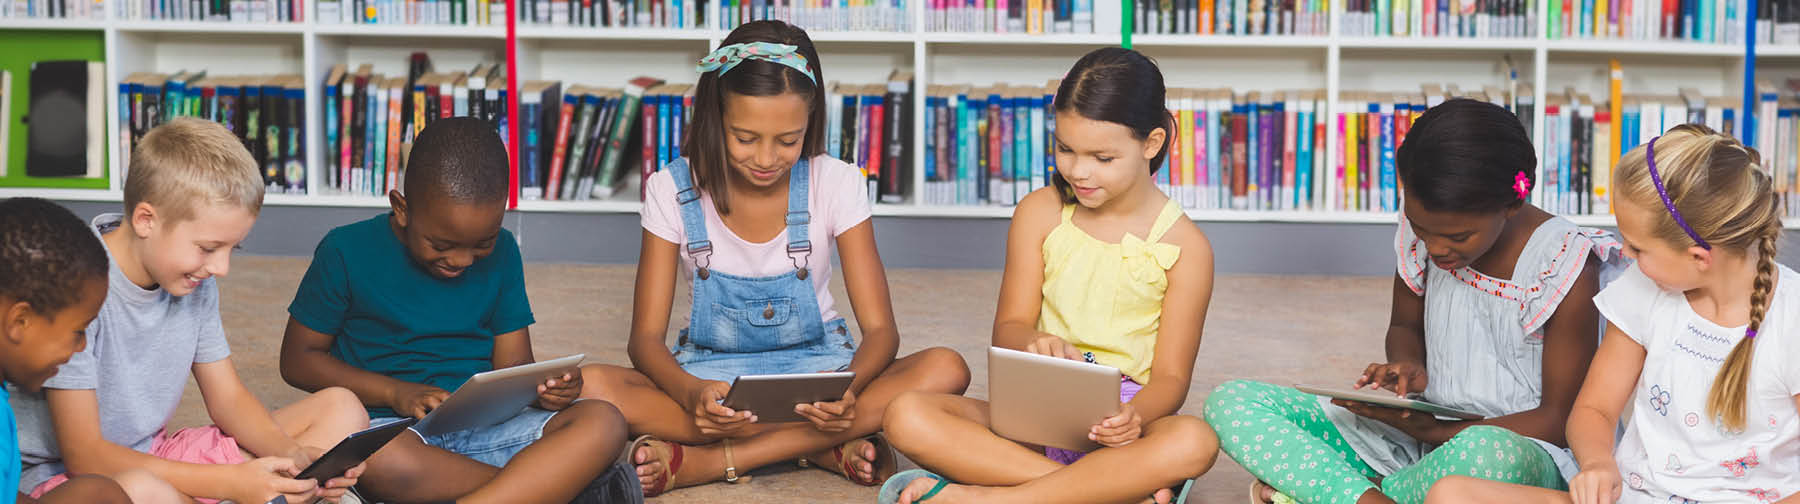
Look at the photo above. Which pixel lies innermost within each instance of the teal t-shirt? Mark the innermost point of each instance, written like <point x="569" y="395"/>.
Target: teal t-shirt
<point x="390" y="316"/>
<point x="9" y="452"/>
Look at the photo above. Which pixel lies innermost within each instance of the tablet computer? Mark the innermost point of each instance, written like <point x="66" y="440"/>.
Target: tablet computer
<point x="1385" y="399"/>
<point x="772" y="397"/>
<point x="353" y="450"/>
<point x="1049" y="401"/>
<point x="494" y="396"/>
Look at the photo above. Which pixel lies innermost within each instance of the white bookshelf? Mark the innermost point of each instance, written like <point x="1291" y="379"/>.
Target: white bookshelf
<point x="607" y="57"/>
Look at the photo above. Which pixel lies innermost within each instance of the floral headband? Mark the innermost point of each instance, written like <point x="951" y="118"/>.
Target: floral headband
<point x="725" y="58"/>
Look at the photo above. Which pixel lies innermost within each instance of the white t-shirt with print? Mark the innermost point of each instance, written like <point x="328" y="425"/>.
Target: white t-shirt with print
<point x="1673" y="452"/>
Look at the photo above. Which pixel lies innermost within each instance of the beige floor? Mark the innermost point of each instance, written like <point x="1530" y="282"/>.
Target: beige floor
<point x="1280" y="329"/>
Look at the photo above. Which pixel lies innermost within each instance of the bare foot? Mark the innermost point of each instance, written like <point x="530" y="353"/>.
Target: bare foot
<point x="1164" y="496"/>
<point x="949" y="495"/>
<point x="861" y="457"/>
<point x="1264" y="492"/>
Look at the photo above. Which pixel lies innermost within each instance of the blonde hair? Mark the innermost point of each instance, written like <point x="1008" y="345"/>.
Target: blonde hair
<point x="1723" y="193"/>
<point x="188" y="163"/>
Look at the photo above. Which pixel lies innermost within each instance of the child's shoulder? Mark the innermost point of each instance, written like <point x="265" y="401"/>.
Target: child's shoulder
<point x="356" y="234"/>
<point x="1185" y="234"/>
<point x="1040" y="209"/>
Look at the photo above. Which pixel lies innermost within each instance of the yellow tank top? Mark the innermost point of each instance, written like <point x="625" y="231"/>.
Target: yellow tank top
<point x="1107" y="298"/>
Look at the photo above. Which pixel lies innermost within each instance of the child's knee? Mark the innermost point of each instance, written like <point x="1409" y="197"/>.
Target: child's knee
<point x="601" y="381"/>
<point x="946" y="371"/>
<point x="1188" y="446"/>
<point x="343" y="405"/>
<point x="599" y="419"/>
<point x="1453" y="490"/>
<point x="1478" y="436"/>
<point x="907" y="416"/>
<point x="1226" y="394"/>
<point x="145" y="488"/>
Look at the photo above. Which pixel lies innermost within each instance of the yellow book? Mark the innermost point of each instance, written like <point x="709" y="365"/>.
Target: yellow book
<point x="1034" y="16"/>
<point x="1601" y="28"/>
<point x="1615" y="109"/>
<point x="1352" y="133"/>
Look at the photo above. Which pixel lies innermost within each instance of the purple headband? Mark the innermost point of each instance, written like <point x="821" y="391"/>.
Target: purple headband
<point x="1650" y="157"/>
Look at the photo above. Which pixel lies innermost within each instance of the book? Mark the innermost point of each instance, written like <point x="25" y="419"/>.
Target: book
<point x="613" y="162"/>
<point x="66" y="119"/>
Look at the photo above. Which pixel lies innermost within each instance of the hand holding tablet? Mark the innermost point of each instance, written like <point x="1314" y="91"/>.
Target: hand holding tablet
<point x="774" y="398"/>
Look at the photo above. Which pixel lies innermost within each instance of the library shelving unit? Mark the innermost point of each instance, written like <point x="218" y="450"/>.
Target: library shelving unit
<point x="608" y="56"/>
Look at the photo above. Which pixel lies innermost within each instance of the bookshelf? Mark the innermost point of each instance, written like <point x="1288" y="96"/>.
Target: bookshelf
<point x="1333" y="63"/>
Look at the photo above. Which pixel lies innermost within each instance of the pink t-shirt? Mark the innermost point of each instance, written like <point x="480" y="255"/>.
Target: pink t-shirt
<point x="838" y="200"/>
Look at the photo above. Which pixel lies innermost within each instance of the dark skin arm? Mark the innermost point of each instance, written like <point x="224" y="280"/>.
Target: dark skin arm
<point x="307" y="364"/>
<point x="1569" y="344"/>
<point x="514" y="349"/>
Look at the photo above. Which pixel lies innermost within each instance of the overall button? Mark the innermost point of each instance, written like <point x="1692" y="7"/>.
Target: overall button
<point x="769" y="312"/>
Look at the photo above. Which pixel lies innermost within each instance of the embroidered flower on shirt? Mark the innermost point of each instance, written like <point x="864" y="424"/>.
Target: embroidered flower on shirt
<point x="1764" y="494"/>
<point x="1693" y="419"/>
<point x="1741" y="465"/>
<point x="1659" y="399"/>
<point x="1675" y="465"/>
<point x="1636" y="481"/>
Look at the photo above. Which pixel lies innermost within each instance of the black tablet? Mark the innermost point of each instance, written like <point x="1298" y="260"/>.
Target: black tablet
<point x="353" y="450"/>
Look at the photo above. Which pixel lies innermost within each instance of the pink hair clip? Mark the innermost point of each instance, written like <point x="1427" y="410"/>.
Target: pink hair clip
<point x="1521" y="185"/>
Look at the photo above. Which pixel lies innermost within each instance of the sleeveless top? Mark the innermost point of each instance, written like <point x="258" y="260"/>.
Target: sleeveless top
<point x="1484" y="337"/>
<point x="1106" y="298"/>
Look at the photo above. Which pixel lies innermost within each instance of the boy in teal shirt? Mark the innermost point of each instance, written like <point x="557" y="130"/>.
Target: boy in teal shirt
<point x="404" y="307"/>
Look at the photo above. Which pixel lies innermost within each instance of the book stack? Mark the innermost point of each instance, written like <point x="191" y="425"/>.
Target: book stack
<point x="615" y="13"/>
<point x="1584" y="137"/>
<point x="987" y="145"/>
<point x="1010" y="16"/>
<point x="235" y="11"/>
<point x="871" y="126"/>
<point x="52" y="9"/>
<point x="266" y="112"/>
<point x="411" y="12"/>
<point x="1232" y="17"/>
<point x="579" y="142"/>
<point x="1441" y="18"/>
<point x="1713" y="21"/>
<point x="370" y="119"/>
<point x="821" y="15"/>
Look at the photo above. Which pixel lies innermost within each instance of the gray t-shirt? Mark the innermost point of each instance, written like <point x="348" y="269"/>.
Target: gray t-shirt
<point x="140" y="352"/>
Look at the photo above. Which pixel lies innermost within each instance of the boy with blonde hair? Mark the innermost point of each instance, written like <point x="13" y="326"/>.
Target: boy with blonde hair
<point x="191" y="196"/>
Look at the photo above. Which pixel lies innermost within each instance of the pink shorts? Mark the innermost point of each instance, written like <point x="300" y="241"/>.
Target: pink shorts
<point x="194" y="445"/>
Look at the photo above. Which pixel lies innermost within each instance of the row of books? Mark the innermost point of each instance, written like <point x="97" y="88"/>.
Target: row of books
<point x="1011" y="16"/>
<point x="51" y="9"/>
<point x="1232" y="17"/>
<point x="821" y="15"/>
<point x="237" y="11"/>
<point x="1584" y="137"/>
<point x="1712" y="21"/>
<point x="987" y="145"/>
<point x="1779" y="140"/>
<point x="615" y="13"/>
<point x="411" y="12"/>
<point x="580" y="142"/>
<point x="871" y="126"/>
<point x="1777" y="22"/>
<point x="266" y="112"/>
<point x="1441" y="18"/>
<point x="370" y="119"/>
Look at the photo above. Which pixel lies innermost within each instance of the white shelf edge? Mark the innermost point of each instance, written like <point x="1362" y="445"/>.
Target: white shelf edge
<point x="1775" y="51"/>
<point x="599" y="206"/>
<point x="399" y="30"/>
<point x="1019" y="38"/>
<point x="325" y="200"/>
<point x="1244" y="41"/>
<point x="152" y="26"/>
<point x="1440" y="43"/>
<point x="96" y="195"/>
<point x="882" y="37"/>
<point x="52" y="24"/>
<point x="1646" y="47"/>
<point x="549" y="32"/>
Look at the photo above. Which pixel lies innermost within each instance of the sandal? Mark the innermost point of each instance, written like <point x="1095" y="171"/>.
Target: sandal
<point x="731" y="472"/>
<point x="670" y="464"/>
<point x="890" y="491"/>
<point x="884" y="459"/>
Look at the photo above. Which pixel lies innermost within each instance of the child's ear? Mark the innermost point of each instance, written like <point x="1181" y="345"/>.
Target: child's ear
<point x="397" y="202"/>
<point x="1153" y="143"/>
<point x="1701" y="257"/>
<point x="142" y="219"/>
<point x="18" y="319"/>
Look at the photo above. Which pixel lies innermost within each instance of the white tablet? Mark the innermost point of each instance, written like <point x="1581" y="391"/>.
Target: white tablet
<point x="1383" y="398"/>
<point x="772" y="397"/>
<point x="494" y="396"/>
<point x="1049" y="401"/>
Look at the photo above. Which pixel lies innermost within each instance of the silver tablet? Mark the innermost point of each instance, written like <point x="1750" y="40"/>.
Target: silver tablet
<point x="494" y="396"/>
<point x="772" y="397"/>
<point x="1389" y="400"/>
<point x="1049" y="401"/>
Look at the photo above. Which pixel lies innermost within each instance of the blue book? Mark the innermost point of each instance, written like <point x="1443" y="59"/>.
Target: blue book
<point x="1253" y="152"/>
<point x="1022" y="152"/>
<point x="665" y="123"/>
<point x="1215" y="170"/>
<point x="529" y="156"/>
<point x="1389" y="197"/>
<point x="930" y="156"/>
<point x="678" y="128"/>
<point x="1303" y="142"/>
<point x="1034" y="143"/>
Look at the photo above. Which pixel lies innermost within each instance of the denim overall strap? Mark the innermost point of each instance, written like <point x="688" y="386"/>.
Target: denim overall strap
<point x="693" y="218"/>
<point x="799" y="246"/>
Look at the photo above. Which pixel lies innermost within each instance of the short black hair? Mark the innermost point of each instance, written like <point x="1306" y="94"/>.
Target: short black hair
<point x="1464" y="156"/>
<point x="46" y="252"/>
<point x="458" y="160"/>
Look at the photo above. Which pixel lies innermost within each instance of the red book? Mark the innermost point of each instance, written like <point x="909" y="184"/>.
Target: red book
<point x="1671" y="14"/>
<point x="876" y="113"/>
<point x="1240" y="161"/>
<point x="561" y="151"/>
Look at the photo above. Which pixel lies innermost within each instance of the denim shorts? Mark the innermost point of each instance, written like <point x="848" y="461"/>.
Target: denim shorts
<point x="493" y="445"/>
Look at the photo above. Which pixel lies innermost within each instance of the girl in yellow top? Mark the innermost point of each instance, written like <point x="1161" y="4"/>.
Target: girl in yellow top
<point x="1102" y="264"/>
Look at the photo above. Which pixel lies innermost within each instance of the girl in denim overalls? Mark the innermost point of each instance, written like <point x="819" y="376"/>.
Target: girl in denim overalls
<point x="751" y="216"/>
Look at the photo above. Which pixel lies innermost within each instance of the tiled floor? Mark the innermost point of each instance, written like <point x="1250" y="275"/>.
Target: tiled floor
<point x="1279" y="329"/>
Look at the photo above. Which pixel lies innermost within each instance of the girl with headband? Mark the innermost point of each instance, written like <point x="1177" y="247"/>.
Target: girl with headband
<point x="1700" y="334"/>
<point x="750" y="219"/>
<point x="1492" y="314"/>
